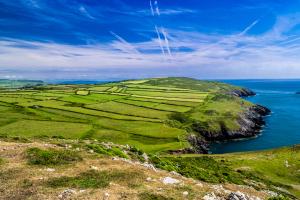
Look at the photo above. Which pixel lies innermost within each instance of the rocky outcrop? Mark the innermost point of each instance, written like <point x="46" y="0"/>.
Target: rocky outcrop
<point x="250" y="122"/>
<point x="243" y="92"/>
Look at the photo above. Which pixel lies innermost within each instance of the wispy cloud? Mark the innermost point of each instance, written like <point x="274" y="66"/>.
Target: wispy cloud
<point x="248" y="28"/>
<point x="159" y="40"/>
<point x="166" y="41"/>
<point x="126" y="46"/>
<point x="83" y="11"/>
<point x="157" y="8"/>
<point x="151" y="8"/>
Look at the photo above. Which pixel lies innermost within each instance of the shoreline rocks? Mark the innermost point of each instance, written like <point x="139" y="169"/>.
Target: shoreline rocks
<point x="243" y="92"/>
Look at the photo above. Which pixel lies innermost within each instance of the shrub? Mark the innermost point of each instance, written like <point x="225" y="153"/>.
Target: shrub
<point x="38" y="156"/>
<point x="180" y="117"/>
<point x="114" y="151"/>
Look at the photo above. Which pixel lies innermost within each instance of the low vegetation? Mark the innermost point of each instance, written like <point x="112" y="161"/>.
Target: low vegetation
<point x="97" y="179"/>
<point x="38" y="156"/>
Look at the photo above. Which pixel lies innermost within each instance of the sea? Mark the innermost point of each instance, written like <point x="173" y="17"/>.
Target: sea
<point x="282" y="126"/>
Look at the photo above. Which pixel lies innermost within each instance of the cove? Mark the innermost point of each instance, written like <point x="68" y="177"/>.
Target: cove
<point x="282" y="126"/>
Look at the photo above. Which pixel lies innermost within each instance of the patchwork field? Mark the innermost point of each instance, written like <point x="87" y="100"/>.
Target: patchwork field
<point x="140" y="113"/>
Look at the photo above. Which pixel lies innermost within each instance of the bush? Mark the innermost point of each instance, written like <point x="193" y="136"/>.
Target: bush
<point x="38" y="156"/>
<point x="180" y="117"/>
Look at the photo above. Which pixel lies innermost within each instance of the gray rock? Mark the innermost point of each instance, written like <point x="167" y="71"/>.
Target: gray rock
<point x="66" y="194"/>
<point x="237" y="196"/>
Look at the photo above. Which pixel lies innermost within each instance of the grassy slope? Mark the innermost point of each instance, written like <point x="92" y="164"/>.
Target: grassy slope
<point x="39" y="170"/>
<point x="139" y="111"/>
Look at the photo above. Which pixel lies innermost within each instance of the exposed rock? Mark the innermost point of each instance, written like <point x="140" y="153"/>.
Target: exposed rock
<point x="175" y="173"/>
<point x="237" y="196"/>
<point x="286" y="163"/>
<point x="94" y="167"/>
<point x="169" y="180"/>
<point x="145" y="156"/>
<point x="106" y="196"/>
<point x="185" y="193"/>
<point x="149" y="166"/>
<point x="148" y="179"/>
<point x="199" y="143"/>
<point x="66" y="194"/>
<point x="50" y="170"/>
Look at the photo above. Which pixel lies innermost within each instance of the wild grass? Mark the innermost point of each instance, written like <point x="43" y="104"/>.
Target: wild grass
<point x="201" y="168"/>
<point x="50" y="157"/>
<point x="97" y="179"/>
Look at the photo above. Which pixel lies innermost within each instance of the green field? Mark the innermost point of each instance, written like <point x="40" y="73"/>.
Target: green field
<point x="140" y="112"/>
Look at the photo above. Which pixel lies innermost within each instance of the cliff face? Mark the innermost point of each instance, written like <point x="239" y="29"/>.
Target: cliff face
<point x="250" y="123"/>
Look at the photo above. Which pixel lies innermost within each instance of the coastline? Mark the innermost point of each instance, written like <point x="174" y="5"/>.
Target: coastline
<point x="250" y="122"/>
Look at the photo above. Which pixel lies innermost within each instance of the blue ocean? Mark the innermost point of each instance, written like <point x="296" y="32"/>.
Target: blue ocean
<point x="282" y="126"/>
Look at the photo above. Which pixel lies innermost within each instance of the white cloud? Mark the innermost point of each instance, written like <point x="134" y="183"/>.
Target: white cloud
<point x="273" y="54"/>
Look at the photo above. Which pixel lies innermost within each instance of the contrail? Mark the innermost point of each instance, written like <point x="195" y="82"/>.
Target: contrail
<point x="248" y="28"/>
<point x="166" y="41"/>
<point x="289" y="41"/>
<point x="159" y="39"/>
<point x="151" y="7"/>
<point x="156" y="8"/>
<point x="127" y="44"/>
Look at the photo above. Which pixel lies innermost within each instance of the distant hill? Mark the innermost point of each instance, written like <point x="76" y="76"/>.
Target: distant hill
<point x="7" y="83"/>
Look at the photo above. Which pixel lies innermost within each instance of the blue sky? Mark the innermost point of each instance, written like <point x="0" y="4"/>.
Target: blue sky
<point x="117" y="39"/>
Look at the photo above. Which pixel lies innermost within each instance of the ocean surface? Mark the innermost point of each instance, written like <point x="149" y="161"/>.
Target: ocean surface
<point x="282" y="126"/>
